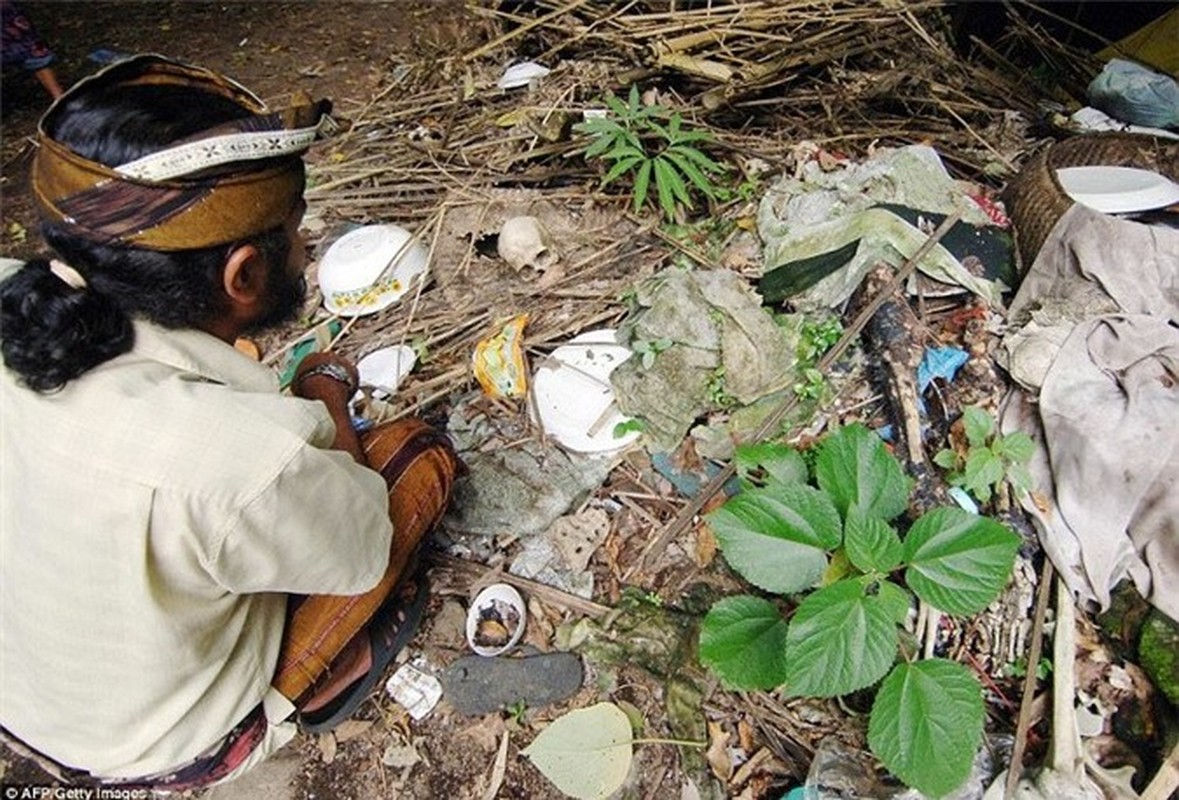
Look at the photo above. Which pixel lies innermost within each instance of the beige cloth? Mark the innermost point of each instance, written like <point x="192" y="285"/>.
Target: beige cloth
<point x="153" y="515"/>
<point x="1102" y="350"/>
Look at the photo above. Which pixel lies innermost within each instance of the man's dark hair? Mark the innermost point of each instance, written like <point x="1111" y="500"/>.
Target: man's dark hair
<point x="51" y="332"/>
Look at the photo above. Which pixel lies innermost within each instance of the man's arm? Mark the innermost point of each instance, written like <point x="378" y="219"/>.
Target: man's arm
<point x="313" y="382"/>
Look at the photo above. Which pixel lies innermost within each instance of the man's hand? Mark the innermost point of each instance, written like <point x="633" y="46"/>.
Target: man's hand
<point x="332" y="380"/>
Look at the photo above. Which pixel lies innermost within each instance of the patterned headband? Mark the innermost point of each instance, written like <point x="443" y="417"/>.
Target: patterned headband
<point x="205" y="190"/>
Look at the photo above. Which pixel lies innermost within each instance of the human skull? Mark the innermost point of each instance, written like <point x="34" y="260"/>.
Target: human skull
<point x="524" y="242"/>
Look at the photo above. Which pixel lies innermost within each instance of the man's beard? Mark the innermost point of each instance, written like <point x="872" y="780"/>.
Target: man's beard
<point x="287" y="293"/>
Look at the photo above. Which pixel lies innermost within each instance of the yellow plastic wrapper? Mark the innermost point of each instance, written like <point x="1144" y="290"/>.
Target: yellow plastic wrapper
<point x="499" y="360"/>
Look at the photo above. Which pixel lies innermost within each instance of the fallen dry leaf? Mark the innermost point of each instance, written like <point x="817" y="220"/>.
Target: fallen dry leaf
<point x="351" y="728"/>
<point x="718" y="752"/>
<point x="745" y="735"/>
<point x="327" y="747"/>
<point x="705" y="546"/>
<point x="498" y="769"/>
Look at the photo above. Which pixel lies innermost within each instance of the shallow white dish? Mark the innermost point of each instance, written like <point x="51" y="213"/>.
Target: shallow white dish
<point x="1118" y="190"/>
<point x="353" y="275"/>
<point x="522" y="74"/>
<point x="573" y="398"/>
<point x="383" y="369"/>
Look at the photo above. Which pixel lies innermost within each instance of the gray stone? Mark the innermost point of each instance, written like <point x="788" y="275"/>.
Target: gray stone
<point x="476" y="685"/>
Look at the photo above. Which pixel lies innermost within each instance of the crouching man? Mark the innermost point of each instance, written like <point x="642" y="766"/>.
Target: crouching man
<point x="192" y="565"/>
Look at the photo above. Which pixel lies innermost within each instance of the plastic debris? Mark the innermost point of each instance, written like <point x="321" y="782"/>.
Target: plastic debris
<point x="1136" y="94"/>
<point x="939" y="362"/>
<point x="499" y="360"/>
<point x="415" y="690"/>
<point x="522" y="74"/>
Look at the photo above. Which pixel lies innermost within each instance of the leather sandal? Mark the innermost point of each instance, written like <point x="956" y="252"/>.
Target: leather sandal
<point x="392" y="627"/>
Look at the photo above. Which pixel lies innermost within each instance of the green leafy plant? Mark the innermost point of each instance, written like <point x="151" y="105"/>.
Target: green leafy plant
<point x="650" y="142"/>
<point x="630" y="426"/>
<point x="987" y="459"/>
<point x="812" y="385"/>
<point x="516" y="711"/>
<point x="826" y="531"/>
<point x="718" y="394"/>
<point x="648" y="351"/>
<point x="817" y="336"/>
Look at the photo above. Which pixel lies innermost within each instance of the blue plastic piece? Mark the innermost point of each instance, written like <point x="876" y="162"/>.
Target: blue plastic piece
<point x="939" y="362"/>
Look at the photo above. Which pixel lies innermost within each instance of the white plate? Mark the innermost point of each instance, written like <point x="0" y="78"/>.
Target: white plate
<point x="353" y="276"/>
<point x="383" y="369"/>
<point x="573" y="396"/>
<point x="1118" y="190"/>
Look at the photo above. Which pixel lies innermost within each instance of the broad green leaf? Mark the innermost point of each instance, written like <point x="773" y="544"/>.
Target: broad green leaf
<point x="946" y="459"/>
<point x="857" y="471"/>
<point x="927" y="723"/>
<point x="895" y="600"/>
<point x="838" y="568"/>
<point x="871" y="543"/>
<point x="585" y="753"/>
<point x="776" y="537"/>
<point x="958" y="561"/>
<point x="778" y="462"/>
<point x="840" y="639"/>
<point x="1016" y="447"/>
<point x="978" y="425"/>
<point x="617" y="106"/>
<point x="1020" y="477"/>
<point x="982" y="471"/>
<point x="743" y="639"/>
<point x="619" y="168"/>
<point x="642" y="182"/>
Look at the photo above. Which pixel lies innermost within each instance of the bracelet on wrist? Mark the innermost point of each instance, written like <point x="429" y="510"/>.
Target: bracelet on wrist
<point x="330" y="369"/>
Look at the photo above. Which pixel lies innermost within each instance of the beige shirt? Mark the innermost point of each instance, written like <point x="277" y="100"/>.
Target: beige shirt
<point x="154" y="514"/>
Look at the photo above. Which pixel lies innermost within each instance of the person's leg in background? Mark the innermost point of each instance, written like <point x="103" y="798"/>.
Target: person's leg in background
<point x="21" y="46"/>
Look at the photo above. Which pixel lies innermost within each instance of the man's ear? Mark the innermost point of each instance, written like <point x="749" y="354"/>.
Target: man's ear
<point x="244" y="281"/>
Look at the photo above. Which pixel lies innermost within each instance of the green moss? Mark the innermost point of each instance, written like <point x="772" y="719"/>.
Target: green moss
<point x="1158" y="652"/>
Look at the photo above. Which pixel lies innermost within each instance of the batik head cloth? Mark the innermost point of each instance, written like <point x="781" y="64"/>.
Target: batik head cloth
<point x="208" y="189"/>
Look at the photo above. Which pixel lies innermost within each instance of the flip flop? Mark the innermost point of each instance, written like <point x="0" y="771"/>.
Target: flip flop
<point x="392" y="627"/>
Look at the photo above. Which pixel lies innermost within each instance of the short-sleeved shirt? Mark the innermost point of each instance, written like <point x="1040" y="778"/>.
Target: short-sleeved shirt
<point x="155" y="514"/>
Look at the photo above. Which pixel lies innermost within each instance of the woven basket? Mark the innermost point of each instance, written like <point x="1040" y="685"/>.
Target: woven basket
<point x="1035" y="199"/>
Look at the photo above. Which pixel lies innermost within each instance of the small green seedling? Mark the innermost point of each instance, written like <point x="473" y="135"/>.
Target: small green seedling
<point x="989" y="459"/>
